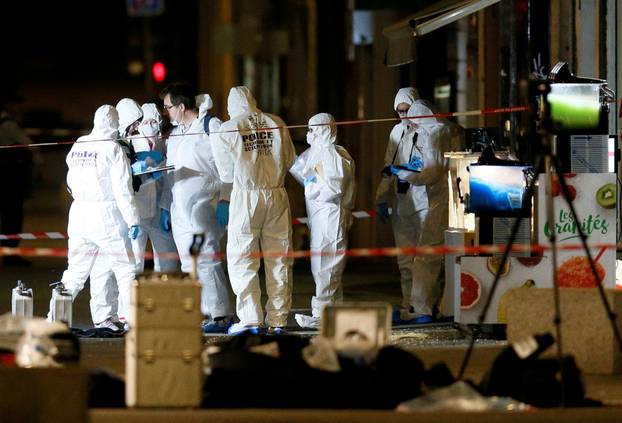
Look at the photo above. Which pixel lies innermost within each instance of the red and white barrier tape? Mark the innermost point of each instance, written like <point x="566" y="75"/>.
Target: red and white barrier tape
<point x="34" y="235"/>
<point x="478" y="112"/>
<point x="355" y="252"/>
<point x="359" y="214"/>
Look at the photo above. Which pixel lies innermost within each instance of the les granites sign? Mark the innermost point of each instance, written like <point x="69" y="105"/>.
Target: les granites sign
<point x="593" y="196"/>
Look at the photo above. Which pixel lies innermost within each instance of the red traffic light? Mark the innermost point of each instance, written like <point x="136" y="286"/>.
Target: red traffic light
<point x="159" y="71"/>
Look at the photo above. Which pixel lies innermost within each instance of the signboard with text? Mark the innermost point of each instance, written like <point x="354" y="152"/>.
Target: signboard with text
<point x="594" y="197"/>
<point x="143" y="8"/>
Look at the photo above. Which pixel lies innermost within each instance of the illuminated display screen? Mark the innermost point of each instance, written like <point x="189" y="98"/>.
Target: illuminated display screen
<point x="499" y="191"/>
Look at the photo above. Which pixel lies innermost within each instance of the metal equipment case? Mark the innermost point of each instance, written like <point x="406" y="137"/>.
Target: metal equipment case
<point x="163" y="346"/>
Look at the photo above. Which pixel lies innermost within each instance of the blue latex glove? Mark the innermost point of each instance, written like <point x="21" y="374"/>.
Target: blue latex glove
<point x="157" y="175"/>
<point x="222" y="213"/>
<point x="310" y="179"/>
<point x="395" y="169"/>
<point x="416" y="163"/>
<point x="383" y="211"/>
<point x="154" y="156"/>
<point x="133" y="232"/>
<point x="165" y="220"/>
<point x="138" y="167"/>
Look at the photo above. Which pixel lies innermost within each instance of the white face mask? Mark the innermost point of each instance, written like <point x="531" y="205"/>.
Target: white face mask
<point x="149" y="130"/>
<point x="310" y="137"/>
<point x="175" y="120"/>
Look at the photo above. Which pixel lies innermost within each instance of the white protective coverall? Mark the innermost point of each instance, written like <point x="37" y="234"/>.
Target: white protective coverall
<point x="148" y="197"/>
<point x="103" y="208"/>
<point x="329" y="200"/>
<point x="434" y="138"/>
<point x="257" y="161"/>
<point x="196" y="189"/>
<point x="409" y="208"/>
<point x="105" y="297"/>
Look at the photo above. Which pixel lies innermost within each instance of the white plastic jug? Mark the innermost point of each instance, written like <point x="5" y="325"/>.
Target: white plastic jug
<point x="61" y="304"/>
<point x="22" y="300"/>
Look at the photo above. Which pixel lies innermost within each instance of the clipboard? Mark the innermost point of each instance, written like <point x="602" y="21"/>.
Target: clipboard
<point x="157" y="169"/>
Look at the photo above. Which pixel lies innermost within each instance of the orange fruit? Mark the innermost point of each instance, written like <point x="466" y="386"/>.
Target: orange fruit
<point x="470" y="291"/>
<point x="576" y="273"/>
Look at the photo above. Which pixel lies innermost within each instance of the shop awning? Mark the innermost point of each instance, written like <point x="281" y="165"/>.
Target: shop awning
<point x="402" y="34"/>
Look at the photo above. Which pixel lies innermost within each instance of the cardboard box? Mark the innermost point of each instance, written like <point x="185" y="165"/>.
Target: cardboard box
<point x="586" y="329"/>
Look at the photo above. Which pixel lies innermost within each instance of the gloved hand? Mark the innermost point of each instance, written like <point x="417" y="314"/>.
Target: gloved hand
<point x="395" y="170"/>
<point x="152" y="158"/>
<point x="133" y="232"/>
<point x="310" y="179"/>
<point x="222" y="213"/>
<point x="383" y="211"/>
<point x="165" y="220"/>
<point x="157" y="175"/>
<point x="407" y="175"/>
<point x="138" y="167"/>
<point x="416" y="163"/>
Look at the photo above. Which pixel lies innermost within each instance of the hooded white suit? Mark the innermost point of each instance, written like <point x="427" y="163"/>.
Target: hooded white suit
<point x="103" y="207"/>
<point x="147" y="197"/>
<point x="329" y="201"/>
<point x="434" y="138"/>
<point x="256" y="161"/>
<point x="196" y="189"/>
<point x="104" y="294"/>
<point x="409" y="208"/>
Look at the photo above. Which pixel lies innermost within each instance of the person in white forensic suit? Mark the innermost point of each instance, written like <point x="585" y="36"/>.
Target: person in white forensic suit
<point x="433" y="138"/>
<point x="409" y="203"/>
<point x="254" y="151"/>
<point x="105" y="299"/>
<point x="198" y="198"/>
<point x="151" y="149"/>
<point x="327" y="172"/>
<point x="103" y="207"/>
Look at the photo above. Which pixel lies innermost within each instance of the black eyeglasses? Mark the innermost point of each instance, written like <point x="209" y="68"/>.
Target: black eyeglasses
<point x="169" y="107"/>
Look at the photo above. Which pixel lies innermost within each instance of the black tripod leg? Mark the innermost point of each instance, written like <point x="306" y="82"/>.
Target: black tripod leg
<point x="504" y="258"/>
<point x="549" y="163"/>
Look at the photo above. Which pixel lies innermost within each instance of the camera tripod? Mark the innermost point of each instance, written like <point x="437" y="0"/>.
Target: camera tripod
<point x="551" y="164"/>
